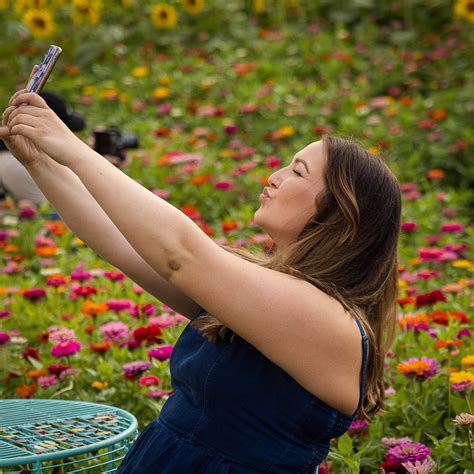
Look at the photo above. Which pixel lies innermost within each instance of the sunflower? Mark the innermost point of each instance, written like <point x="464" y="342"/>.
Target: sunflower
<point x="193" y="6"/>
<point x="464" y="9"/>
<point x="258" y="6"/>
<point x="163" y="15"/>
<point x="3" y="4"/>
<point x="87" y="11"/>
<point x="40" y="22"/>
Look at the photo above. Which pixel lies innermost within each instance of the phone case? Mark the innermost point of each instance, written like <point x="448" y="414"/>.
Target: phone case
<point x="39" y="78"/>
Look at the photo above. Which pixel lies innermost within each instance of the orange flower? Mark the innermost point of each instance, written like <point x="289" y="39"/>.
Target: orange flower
<point x="419" y="367"/>
<point x="436" y="174"/>
<point x="45" y="251"/>
<point x="11" y="248"/>
<point x="406" y="100"/>
<point x="100" y="347"/>
<point x="438" y="114"/>
<point x="93" y="309"/>
<point x="448" y="344"/>
<point x="228" y="225"/>
<point x="26" y="391"/>
<point x="55" y="227"/>
<point x="201" y="179"/>
<point x="71" y="70"/>
<point x="35" y="373"/>
<point x="243" y="68"/>
<point x="417" y="318"/>
<point x="406" y="300"/>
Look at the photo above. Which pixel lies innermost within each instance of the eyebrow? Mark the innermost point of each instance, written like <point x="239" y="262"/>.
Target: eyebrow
<point x="300" y="160"/>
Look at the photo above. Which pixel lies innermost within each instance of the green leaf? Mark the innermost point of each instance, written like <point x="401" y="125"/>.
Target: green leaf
<point x="344" y="445"/>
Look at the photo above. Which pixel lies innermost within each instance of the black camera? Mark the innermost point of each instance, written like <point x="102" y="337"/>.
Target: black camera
<point x="112" y="141"/>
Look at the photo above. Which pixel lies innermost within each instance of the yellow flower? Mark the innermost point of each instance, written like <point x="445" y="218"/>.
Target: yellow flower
<point x="164" y="80"/>
<point x="163" y="15"/>
<point x="89" y="90"/>
<point x="99" y="385"/>
<point x="258" y="6"/>
<point x="3" y="4"/>
<point x="373" y="150"/>
<point x="127" y="3"/>
<point x="462" y="264"/>
<point x="40" y="22"/>
<point x="286" y="131"/>
<point x="78" y="241"/>
<point x="86" y="11"/>
<point x="464" y="9"/>
<point x="161" y="93"/>
<point x="140" y="71"/>
<point x="457" y="377"/>
<point x="402" y="283"/>
<point x="467" y="362"/>
<point x="193" y="6"/>
<point x="22" y="5"/>
<point x="111" y="93"/>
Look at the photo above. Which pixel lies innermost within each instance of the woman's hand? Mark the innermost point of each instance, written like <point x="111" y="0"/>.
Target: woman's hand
<point x="32" y="130"/>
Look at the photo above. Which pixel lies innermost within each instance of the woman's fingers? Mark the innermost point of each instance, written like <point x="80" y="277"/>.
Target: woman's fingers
<point x="30" y="98"/>
<point x="15" y="95"/>
<point x="24" y="119"/>
<point x="24" y="130"/>
<point x="26" y="110"/>
<point x="4" y="132"/>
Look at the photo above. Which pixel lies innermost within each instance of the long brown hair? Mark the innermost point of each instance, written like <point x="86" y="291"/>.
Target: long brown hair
<point x="348" y="249"/>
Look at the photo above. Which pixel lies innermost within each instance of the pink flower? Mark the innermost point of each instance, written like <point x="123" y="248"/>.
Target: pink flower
<point x="407" y="452"/>
<point x="390" y="442"/>
<point x="272" y="162"/>
<point x="56" y="333"/>
<point x="119" y="305"/>
<point x="4" y="313"/>
<point x="114" y="331"/>
<point x="451" y="227"/>
<point x="47" y="381"/>
<point x="65" y="348"/>
<point x="27" y="213"/>
<point x="145" y="309"/>
<point x="80" y="274"/>
<point x="149" y="381"/>
<point x="223" y="185"/>
<point x="358" y="426"/>
<point x="163" y="109"/>
<point x="115" y="276"/>
<point x="161" y="353"/>
<point x="408" y="226"/>
<point x="4" y="338"/>
<point x="159" y="393"/>
<point x="231" y="129"/>
<point x="133" y="369"/>
<point x="419" y="468"/>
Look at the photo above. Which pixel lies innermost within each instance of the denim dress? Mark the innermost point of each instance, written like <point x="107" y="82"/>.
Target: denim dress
<point x="235" y="411"/>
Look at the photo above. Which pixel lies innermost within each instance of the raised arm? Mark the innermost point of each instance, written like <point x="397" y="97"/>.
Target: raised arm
<point x="86" y="219"/>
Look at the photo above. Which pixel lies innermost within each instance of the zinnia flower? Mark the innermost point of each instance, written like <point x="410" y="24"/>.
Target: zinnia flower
<point x="467" y="362"/>
<point x="464" y="419"/>
<point x="47" y="381"/>
<point x="407" y="452"/>
<point x="114" y="331"/>
<point x="429" y="298"/>
<point x="358" y="426"/>
<point x="420" y="368"/>
<point x="34" y="294"/>
<point x="4" y="338"/>
<point x="65" y="348"/>
<point x="462" y="386"/>
<point x="161" y="353"/>
<point x="119" y="305"/>
<point x="149" y="380"/>
<point x="390" y="442"/>
<point x="419" y="468"/>
<point x="133" y="369"/>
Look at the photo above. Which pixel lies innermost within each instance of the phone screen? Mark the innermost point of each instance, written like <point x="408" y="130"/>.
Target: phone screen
<point x="39" y="78"/>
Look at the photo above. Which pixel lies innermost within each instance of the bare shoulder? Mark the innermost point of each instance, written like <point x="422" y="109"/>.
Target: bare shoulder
<point x="294" y="324"/>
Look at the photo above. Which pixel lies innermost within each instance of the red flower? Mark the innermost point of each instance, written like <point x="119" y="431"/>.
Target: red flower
<point x="31" y="353"/>
<point x="448" y="344"/>
<point x="85" y="291"/>
<point x="430" y="298"/>
<point x="100" y="347"/>
<point x="149" y="333"/>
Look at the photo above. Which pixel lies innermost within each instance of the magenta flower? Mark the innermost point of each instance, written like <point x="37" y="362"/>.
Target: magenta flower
<point x="133" y="369"/>
<point x="58" y="368"/>
<point x="358" y="426"/>
<point x="272" y="161"/>
<point x="115" y="276"/>
<point x="149" y="380"/>
<point x="119" y="305"/>
<point x="407" y="452"/>
<point x="231" y="129"/>
<point x="4" y="313"/>
<point x="145" y="309"/>
<point x="463" y="332"/>
<point x="4" y="338"/>
<point x="80" y="274"/>
<point x="34" y="294"/>
<point x="451" y="227"/>
<point x="65" y="348"/>
<point x="408" y="226"/>
<point x="462" y="386"/>
<point x="159" y="393"/>
<point x="161" y="353"/>
<point x="223" y="185"/>
<point x="27" y="213"/>
<point x="114" y="331"/>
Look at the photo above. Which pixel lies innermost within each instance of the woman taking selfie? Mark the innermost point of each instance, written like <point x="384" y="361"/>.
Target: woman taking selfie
<point x="285" y="349"/>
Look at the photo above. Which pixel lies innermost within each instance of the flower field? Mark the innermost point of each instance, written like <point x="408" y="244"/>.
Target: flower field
<point x="221" y="94"/>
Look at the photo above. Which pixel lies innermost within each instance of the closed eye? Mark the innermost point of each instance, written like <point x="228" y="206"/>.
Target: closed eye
<point x="298" y="173"/>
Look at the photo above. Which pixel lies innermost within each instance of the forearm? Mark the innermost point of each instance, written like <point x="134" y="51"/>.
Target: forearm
<point x="154" y="228"/>
<point x="78" y="209"/>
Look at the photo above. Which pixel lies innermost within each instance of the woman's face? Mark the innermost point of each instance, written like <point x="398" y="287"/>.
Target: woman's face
<point x="291" y="196"/>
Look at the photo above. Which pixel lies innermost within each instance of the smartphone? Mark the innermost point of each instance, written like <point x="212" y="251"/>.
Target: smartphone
<point x="39" y="78"/>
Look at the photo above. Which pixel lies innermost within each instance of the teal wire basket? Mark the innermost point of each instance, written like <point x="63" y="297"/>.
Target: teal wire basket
<point x="59" y="436"/>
